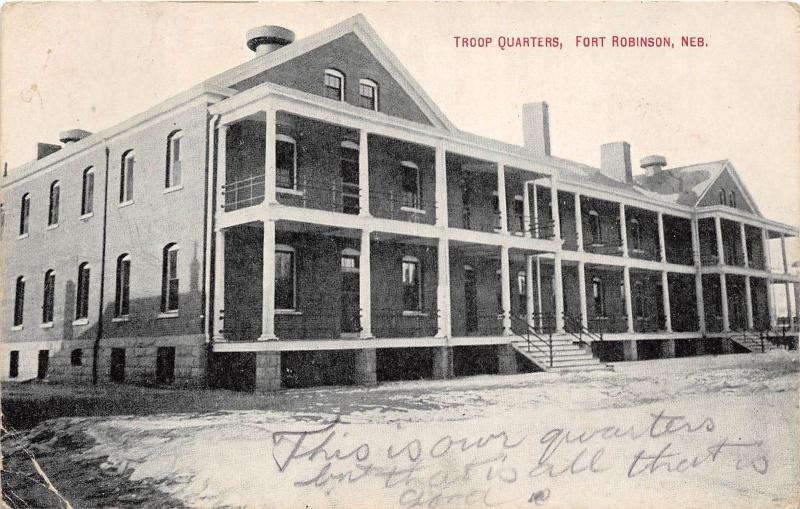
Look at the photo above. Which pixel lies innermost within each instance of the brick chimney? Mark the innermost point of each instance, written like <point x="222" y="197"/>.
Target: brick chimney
<point x="615" y="161"/>
<point x="536" y="128"/>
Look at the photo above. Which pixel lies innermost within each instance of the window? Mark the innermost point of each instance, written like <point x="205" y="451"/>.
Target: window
<point x="126" y="177"/>
<point x="334" y="85"/>
<point x="24" y="214"/>
<point x="169" y="279"/>
<point x="13" y="364"/>
<point x="117" y="368"/>
<point x="286" y="161"/>
<point x="368" y="92"/>
<point x="284" y="277"/>
<point x="165" y="365"/>
<point x="350" y="260"/>
<point x="350" y="177"/>
<point x="87" y="193"/>
<point x="49" y="296"/>
<point x="122" y="299"/>
<point x="82" y="296"/>
<point x="598" y="295"/>
<point x="638" y="299"/>
<point x="733" y="199"/>
<point x="172" y="177"/>
<point x="412" y="287"/>
<point x="519" y="212"/>
<point x="76" y="357"/>
<point x="19" y="302"/>
<point x="522" y="287"/>
<point x="595" y="228"/>
<point x="410" y="184"/>
<point x="722" y="199"/>
<point x="495" y="203"/>
<point x="636" y="234"/>
<point x="55" y="197"/>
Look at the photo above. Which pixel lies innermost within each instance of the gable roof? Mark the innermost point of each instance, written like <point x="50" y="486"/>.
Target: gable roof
<point x="358" y="26"/>
<point x="689" y="174"/>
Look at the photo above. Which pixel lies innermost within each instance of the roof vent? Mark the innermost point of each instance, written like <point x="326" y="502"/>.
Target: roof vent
<point x="267" y="38"/>
<point x="45" y="149"/>
<point x="73" y="135"/>
<point x="652" y="164"/>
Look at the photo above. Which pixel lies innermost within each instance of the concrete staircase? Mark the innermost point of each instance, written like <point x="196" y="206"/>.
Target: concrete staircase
<point x="752" y="342"/>
<point x="567" y="355"/>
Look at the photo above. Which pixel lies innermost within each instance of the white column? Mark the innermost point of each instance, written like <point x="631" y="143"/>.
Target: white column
<point x="765" y="250"/>
<point x="270" y="163"/>
<point x="662" y="243"/>
<point x="501" y="197"/>
<point x="441" y="186"/>
<point x="529" y="310"/>
<point x="623" y="229"/>
<point x="773" y="321"/>
<point x="443" y="289"/>
<point x="743" y="238"/>
<point x="219" y="287"/>
<point x="539" y="290"/>
<point x="698" y="261"/>
<point x="558" y="286"/>
<point x="701" y="305"/>
<point x="788" y="302"/>
<point x="526" y="212"/>
<point x="363" y="173"/>
<point x="268" y="284"/>
<point x="783" y="254"/>
<point x="535" y="214"/>
<point x="365" y="285"/>
<point x="554" y="210"/>
<point x="222" y="162"/>
<point x="578" y="222"/>
<point x="748" y="302"/>
<point x="582" y="295"/>
<point x="626" y="281"/>
<point x="723" y="290"/>
<point x="665" y="298"/>
<point x="720" y="246"/>
<point x="505" y="290"/>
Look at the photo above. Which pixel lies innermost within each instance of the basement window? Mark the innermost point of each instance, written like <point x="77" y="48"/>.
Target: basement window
<point x="76" y="357"/>
<point x="13" y="364"/>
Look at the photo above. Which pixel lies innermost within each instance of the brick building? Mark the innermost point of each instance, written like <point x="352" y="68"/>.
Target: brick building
<point x="311" y="217"/>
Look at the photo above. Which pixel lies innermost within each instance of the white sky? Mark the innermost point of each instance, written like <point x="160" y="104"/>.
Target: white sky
<point x="90" y="66"/>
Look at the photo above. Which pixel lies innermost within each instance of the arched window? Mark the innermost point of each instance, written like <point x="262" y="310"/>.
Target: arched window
<point x="595" y="228"/>
<point x="87" y="191"/>
<point x="636" y="234"/>
<point x="638" y="299"/>
<point x="126" y="177"/>
<point x="25" y="214"/>
<point x="285" y="281"/>
<point x="733" y="199"/>
<point x="122" y="299"/>
<point x="722" y="199"/>
<point x="368" y="94"/>
<point x="169" y="279"/>
<point x="412" y="284"/>
<point x="55" y="198"/>
<point x="411" y="184"/>
<point x="172" y="176"/>
<point x="82" y="294"/>
<point x="286" y="161"/>
<point x="598" y="296"/>
<point x="19" y="302"/>
<point x="49" y="296"/>
<point x="334" y="85"/>
<point x="348" y="153"/>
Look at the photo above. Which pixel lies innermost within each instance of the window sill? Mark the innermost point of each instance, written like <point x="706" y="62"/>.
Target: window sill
<point x="413" y="210"/>
<point x="118" y="319"/>
<point x="81" y="321"/>
<point x="414" y="313"/>
<point x="168" y="314"/>
<point x="291" y="312"/>
<point x="52" y="226"/>
<point x="17" y="327"/>
<point x="295" y="192"/>
<point x="172" y="189"/>
<point x="23" y="236"/>
<point x="48" y="325"/>
<point x="87" y="216"/>
<point x="125" y="203"/>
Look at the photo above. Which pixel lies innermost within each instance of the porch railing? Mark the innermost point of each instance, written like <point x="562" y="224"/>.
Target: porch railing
<point x="608" y="324"/>
<point x="707" y="260"/>
<point x="243" y="193"/>
<point x="574" y="326"/>
<point x="535" y="342"/>
<point x="399" y="205"/>
<point x="390" y="322"/>
<point x="479" y="220"/>
<point x="321" y="194"/>
<point x="604" y="247"/>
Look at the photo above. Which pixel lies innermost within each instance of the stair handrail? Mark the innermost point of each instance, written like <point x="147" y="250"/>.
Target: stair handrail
<point x="531" y="332"/>
<point x="582" y="330"/>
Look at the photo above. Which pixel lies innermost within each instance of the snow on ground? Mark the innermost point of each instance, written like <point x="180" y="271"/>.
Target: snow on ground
<point x="697" y="432"/>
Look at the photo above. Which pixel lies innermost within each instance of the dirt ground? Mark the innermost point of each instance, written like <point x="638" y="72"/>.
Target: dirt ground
<point x="704" y="432"/>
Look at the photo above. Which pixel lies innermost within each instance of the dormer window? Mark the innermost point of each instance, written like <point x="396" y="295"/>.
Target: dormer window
<point x="334" y="85"/>
<point x="722" y="199"/>
<point x="368" y="94"/>
<point x="732" y="201"/>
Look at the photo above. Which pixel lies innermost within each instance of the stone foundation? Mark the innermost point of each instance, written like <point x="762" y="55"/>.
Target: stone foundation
<point x="365" y="367"/>
<point x="268" y="371"/>
<point x="726" y="344"/>
<point x="141" y="360"/>
<point x="506" y="360"/>
<point x="442" y="362"/>
<point x="630" y="351"/>
<point x="667" y="348"/>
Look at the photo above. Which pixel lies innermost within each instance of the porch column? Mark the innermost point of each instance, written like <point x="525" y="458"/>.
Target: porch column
<point x="441" y="186"/>
<point x="748" y="302"/>
<point x="526" y="211"/>
<point x="502" y="204"/>
<point x="535" y="213"/>
<point x="720" y="246"/>
<point x="539" y="291"/>
<point x="443" y="323"/>
<point x="743" y="238"/>
<point x="665" y="298"/>
<point x="771" y="305"/>
<point x="578" y="222"/>
<point x="529" y="311"/>
<point x="268" y="284"/>
<point x="698" y="276"/>
<point x="270" y="162"/>
<point x="626" y="282"/>
<point x="363" y="173"/>
<point x="765" y="249"/>
<point x="789" y="312"/>
<point x="623" y="229"/>
<point x="505" y="290"/>
<point x="661" y="240"/>
<point x="554" y="209"/>
<point x="219" y="287"/>
<point x="723" y="290"/>
<point x="582" y="295"/>
<point x="783" y="254"/>
<point x="558" y="286"/>
<point x="365" y="286"/>
<point x="222" y="162"/>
